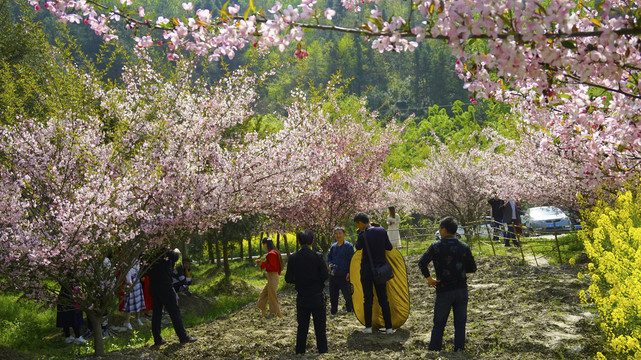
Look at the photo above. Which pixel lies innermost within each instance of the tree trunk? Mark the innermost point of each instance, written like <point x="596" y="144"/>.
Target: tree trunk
<point x="260" y="244"/>
<point x="226" y="259"/>
<point x="210" y="250"/>
<point x="358" y="80"/>
<point x="218" y="253"/>
<point x="95" y="318"/>
<point x="241" y="248"/>
<point x="249" y="249"/>
<point x="286" y="245"/>
<point x="278" y="241"/>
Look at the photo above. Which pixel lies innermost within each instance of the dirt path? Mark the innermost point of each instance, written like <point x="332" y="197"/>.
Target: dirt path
<point x="515" y="312"/>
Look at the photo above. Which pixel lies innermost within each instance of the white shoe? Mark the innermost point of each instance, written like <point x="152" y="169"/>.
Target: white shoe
<point x="389" y="331"/>
<point x="80" y="340"/>
<point x="139" y="322"/>
<point x="127" y="326"/>
<point x="69" y="339"/>
<point x="367" y="330"/>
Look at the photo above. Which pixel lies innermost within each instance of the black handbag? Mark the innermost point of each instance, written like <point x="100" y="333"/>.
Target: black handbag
<point x="382" y="273"/>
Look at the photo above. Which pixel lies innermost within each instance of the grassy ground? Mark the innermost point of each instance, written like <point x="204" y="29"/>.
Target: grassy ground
<point x="27" y="330"/>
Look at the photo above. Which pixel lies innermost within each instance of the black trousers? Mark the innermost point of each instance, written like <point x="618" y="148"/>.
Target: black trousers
<point x="314" y="306"/>
<point x="166" y="296"/>
<point x="338" y="284"/>
<point x="511" y="234"/>
<point x="368" y="299"/>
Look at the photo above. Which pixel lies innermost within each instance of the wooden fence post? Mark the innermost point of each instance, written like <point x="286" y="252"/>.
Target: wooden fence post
<point x="491" y="235"/>
<point x="558" y="247"/>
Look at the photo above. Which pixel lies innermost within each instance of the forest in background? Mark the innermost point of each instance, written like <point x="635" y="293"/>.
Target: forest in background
<point x="396" y="85"/>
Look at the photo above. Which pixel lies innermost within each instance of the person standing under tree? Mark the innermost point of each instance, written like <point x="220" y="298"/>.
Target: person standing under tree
<point x="134" y="302"/>
<point x="273" y="266"/>
<point x="68" y="315"/>
<point x="497" y="216"/>
<point x="307" y="271"/>
<point x="377" y="242"/>
<point x="511" y="217"/>
<point x="452" y="259"/>
<point x="393" y="223"/>
<point x="338" y="259"/>
<point x="163" y="295"/>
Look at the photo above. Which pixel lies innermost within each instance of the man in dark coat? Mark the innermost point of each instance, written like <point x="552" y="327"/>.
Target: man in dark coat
<point x="497" y="216"/>
<point x="307" y="271"/>
<point x="163" y="294"/>
<point x="377" y="242"/>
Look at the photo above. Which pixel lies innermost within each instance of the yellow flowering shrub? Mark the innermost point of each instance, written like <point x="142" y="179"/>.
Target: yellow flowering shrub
<point x="612" y="239"/>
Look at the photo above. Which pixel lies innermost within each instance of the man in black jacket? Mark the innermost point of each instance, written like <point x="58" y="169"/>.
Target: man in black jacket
<point x="497" y="216"/>
<point x="452" y="260"/>
<point x="163" y="294"/>
<point x="377" y="242"/>
<point x="308" y="272"/>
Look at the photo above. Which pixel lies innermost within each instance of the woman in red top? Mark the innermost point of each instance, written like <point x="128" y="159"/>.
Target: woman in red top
<point x="273" y="265"/>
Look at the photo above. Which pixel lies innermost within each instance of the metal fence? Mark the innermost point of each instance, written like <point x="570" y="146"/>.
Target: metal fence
<point x="481" y="234"/>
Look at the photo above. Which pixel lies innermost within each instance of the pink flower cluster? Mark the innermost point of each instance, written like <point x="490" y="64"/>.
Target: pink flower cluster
<point x="554" y="59"/>
<point x="72" y="192"/>
<point x="459" y="183"/>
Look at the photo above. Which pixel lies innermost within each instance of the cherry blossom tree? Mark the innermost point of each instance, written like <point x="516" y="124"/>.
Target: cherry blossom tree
<point x="570" y="68"/>
<point x="450" y="183"/>
<point x="457" y="182"/>
<point x="357" y="183"/>
<point x="160" y="158"/>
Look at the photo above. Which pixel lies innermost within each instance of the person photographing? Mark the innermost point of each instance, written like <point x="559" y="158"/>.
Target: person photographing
<point x="452" y="260"/>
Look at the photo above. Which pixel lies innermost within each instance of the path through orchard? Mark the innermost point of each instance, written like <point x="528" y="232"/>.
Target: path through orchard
<point x="516" y="312"/>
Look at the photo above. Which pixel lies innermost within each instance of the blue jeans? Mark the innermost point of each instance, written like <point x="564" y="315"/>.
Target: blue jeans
<point x="457" y="301"/>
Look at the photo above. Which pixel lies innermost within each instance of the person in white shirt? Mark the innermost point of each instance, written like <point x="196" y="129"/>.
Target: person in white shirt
<point x="393" y="222"/>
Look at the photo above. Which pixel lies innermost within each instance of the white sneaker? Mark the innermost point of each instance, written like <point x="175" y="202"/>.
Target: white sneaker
<point x="80" y="340"/>
<point x="127" y="326"/>
<point x="69" y="339"/>
<point x="139" y="322"/>
<point x="367" y="330"/>
<point x="389" y="331"/>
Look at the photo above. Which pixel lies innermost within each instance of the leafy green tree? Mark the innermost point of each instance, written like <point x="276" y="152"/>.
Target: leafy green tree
<point x="38" y="80"/>
<point x="456" y="129"/>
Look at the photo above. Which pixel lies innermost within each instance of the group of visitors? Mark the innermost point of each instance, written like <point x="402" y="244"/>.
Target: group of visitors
<point x="506" y="220"/>
<point x="452" y="260"/>
<point x="152" y="291"/>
